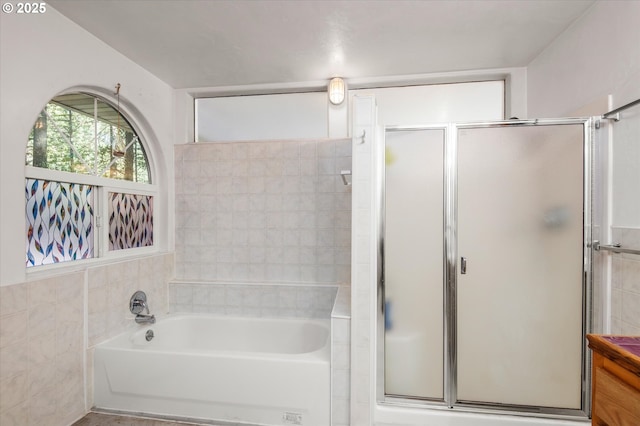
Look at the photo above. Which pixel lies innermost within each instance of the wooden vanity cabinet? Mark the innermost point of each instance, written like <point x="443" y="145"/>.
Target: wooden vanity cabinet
<point x="615" y="380"/>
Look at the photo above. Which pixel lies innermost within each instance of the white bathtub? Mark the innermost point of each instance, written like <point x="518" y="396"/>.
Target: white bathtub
<point x="243" y="370"/>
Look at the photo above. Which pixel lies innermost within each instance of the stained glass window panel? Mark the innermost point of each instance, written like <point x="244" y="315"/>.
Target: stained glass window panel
<point x="60" y="222"/>
<point x="130" y="221"/>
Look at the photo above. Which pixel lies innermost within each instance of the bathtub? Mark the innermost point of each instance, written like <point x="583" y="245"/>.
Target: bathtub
<point x="241" y="370"/>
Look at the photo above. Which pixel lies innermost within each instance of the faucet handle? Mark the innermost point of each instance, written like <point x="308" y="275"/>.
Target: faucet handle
<point x="138" y="303"/>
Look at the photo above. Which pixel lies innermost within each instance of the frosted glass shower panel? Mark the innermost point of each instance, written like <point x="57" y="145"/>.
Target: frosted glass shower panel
<point x="520" y="228"/>
<point x="413" y="249"/>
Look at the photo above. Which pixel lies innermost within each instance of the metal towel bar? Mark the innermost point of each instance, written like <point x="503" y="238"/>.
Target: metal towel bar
<point x="616" y="248"/>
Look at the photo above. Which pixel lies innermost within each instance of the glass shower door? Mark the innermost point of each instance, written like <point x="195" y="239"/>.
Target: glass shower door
<point x="520" y="260"/>
<point x="413" y="265"/>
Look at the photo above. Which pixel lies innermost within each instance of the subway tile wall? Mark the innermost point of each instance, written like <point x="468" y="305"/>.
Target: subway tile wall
<point x="263" y="212"/>
<point x="47" y="327"/>
<point x="625" y="283"/>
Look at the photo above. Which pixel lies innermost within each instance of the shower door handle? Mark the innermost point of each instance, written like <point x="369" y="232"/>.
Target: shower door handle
<point x="463" y="265"/>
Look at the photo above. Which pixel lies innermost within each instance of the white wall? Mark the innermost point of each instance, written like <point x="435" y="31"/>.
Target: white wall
<point x="43" y="55"/>
<point x="47" y="322"/>
<point x="438" y="103"/>
<point x="599" y="57"/>
<point x="596" y="57"/>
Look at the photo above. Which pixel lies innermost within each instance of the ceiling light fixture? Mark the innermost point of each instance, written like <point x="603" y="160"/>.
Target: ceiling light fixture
<point x="336" y="90"/>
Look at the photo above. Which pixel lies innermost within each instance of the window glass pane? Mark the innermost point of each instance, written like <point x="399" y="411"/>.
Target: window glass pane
<point x="82" y="134"/>
<point x="59" y="222"/>
<point x="262" y="117"/>
<point x="62" y="139"/>
<point x="130" y="221"/>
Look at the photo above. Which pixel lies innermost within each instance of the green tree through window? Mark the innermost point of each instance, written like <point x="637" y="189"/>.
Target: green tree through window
<point x="80" y="133"/>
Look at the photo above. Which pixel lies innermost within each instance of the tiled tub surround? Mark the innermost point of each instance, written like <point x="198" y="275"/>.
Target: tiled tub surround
<point x="253" y="300"/>
<point x="625" y="283"/>
<point x="109" y="289"/>
<point x="264" y="212"/>
<point x="281" y="301"/>
<point x="45" y="326"/>
<point x="111" y="286"/>
<point x="261" y="228"/>
<point x="340" y="357"/>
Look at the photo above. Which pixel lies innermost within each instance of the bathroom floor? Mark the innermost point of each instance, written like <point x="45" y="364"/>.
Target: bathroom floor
<point x="101" y="419"/>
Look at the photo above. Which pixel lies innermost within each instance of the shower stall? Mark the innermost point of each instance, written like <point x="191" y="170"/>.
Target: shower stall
<point x="484" y="294"/>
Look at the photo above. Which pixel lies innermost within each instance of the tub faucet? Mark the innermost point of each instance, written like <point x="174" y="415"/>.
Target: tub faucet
<point x="137" y="304"/>
<point x="145" y="318"/>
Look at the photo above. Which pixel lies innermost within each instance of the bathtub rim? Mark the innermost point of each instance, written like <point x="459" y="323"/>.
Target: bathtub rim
<point x="321" y="354"/>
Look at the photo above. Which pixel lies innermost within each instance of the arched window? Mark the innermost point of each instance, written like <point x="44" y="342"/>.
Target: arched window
<point x="88" y="185"/>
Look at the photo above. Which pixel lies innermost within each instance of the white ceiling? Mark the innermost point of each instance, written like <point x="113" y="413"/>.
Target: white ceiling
<point x="212" y="43"/>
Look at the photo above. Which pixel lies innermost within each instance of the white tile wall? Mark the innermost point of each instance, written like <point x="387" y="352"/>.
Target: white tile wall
<point x="41" y="351"/>
<point x="110" y="288"/>
<point x="254" y="300"/>
<point x="625" y="283"/>
<point x="363" y="282"/>
<point x="340" y="358"/>
<point x="43" y="375"/>
<point x="263" y="212"/>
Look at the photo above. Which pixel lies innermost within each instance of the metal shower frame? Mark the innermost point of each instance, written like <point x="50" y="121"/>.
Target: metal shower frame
<point x="450" y="266"/>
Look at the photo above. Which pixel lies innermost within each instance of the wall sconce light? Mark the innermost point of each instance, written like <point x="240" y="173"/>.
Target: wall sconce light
<point x="336" y="90"/>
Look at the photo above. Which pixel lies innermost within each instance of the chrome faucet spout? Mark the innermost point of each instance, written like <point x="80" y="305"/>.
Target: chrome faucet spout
<point x="145" y="319"/>
<point x="137" y="305"/>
